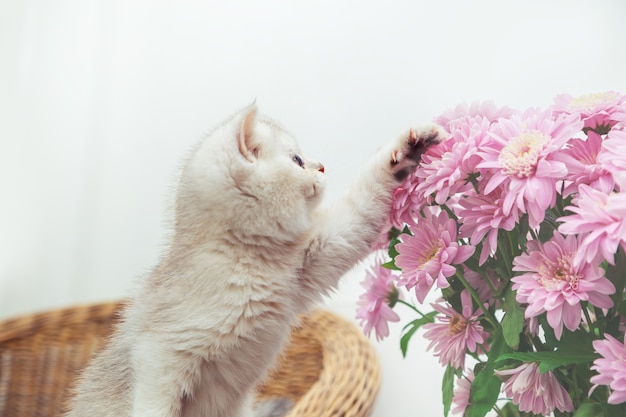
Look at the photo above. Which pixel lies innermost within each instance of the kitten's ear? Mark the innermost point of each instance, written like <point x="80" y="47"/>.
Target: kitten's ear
<point x="248" y="148"/>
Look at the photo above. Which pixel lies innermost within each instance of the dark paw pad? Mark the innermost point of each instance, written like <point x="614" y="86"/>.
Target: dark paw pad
<point x="418" y="144"/>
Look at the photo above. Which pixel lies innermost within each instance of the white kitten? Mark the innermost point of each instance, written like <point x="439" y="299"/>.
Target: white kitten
<point x="250" y="250"/>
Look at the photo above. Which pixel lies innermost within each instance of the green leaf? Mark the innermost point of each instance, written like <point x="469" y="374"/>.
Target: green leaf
<point x="483" y="393"/>
<point x="589" y="409"/>
<point x="522" y="231"/>
<point x="547" y="227"/>
<point x="614" y="410"/>
<point x="393" y="252"/>
<point x="548" y="332"/>
<point x="601" y="407"/>
<point x="576" y="342"/>
<point x="393" y="233"/>
<point x="425" y="319"/>
<point x="486" y="386"/>
<point x="391" y="265"/>
<point x="394" y="238"/>
<point x="447" y="389"/>
<point x="549" y="361"/>
<point x="412" y="328"/>
<point x="513" y="320"/>
<point x="615" y="273"/>
<point x="574" y="348"/>
<point x="510" y="410"/>
<point x="404" y="340"/>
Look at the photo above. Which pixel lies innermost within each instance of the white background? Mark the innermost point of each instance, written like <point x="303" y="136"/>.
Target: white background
<point x="100" y="99"/>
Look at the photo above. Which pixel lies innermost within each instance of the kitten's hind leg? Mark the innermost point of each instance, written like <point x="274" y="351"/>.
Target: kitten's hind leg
<point x="277" y="407"/>
<point x="161" y="378"/>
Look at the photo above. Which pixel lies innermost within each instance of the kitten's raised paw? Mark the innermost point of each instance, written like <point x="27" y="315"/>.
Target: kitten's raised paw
<point x="409" y="147"/>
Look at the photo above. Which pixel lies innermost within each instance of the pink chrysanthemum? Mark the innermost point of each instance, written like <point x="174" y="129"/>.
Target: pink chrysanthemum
<point x="430" y="254"/>
<point x="461" y="395"/>
<point x="479" y="283"/>
<point x="531" y="325"/>
<point x="482" y="215"/>
<point x="446" y="170"/>
<point x="455" y="333"/>
<point x="521" y="158"/>
<point x="600" y="219"/>
<point x="404" y="204"/>
<point x="581" y="160"/>
<point x="554" y="284"/>
<point x="612" y="157"/>
<point x="597" y="111"/>
<point x="374" y="310"/>
<point x="611" y="368"/>
<point x="453" y="118"/>
<point x="534" y="392"/>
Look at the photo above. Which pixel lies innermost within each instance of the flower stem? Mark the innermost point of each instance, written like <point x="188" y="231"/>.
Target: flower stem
<point x="537" y="343"/>
<point x="575" y="382"/>
<point x="490" y="318"/>
<point x="512" y="245"/>
<point x="588" y="318"/>
<point x="450" y="212"/>
<point x="411" y="306"/>
<point x="491" y="285"/>
<point x="503" y="250"/>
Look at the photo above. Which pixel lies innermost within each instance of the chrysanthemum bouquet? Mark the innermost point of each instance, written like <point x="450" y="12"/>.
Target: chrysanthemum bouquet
<point x="515" y="227"/>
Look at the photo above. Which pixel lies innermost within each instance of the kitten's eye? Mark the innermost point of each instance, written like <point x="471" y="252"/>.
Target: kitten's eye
<point x="298" y="160"/>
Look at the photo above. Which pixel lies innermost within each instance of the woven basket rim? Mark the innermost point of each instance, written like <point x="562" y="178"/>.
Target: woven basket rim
<point x="349" y="373"/>
<point x="20" y="326"/>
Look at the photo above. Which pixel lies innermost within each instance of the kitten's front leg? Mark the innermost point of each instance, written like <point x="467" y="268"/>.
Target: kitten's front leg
<point x="346" y="231"/>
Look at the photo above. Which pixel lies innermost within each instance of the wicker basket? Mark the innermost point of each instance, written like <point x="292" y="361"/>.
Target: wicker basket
<point x="328" y="369"/>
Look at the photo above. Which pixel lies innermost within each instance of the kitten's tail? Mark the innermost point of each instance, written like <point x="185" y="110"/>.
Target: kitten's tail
<point x="277" y="407"/>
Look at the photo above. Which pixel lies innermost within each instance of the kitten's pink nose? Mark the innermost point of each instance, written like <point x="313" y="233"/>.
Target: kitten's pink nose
<point x="321" y="168"/>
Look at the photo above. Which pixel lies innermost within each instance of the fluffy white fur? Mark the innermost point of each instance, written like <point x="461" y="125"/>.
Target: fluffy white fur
<point x="250" y="250"/>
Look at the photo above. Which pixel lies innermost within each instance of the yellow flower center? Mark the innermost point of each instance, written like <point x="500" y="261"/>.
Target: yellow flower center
<point x="554" y="273"/>
<point x="457" y="324"/>
<point x="519" y="156"/>
<point x="432" y="254"/>
<point x="560" y="274"/>
<point x="588" y="102"/>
